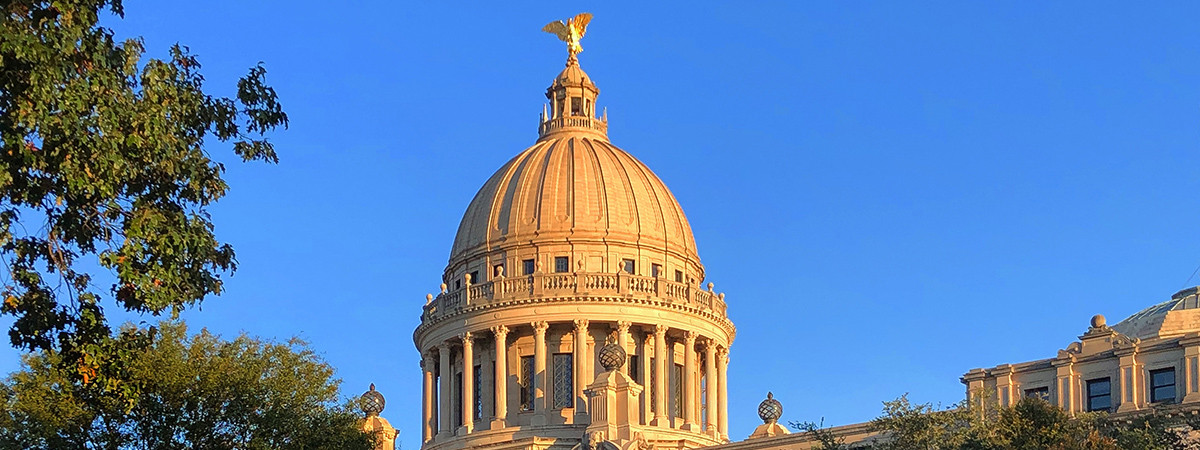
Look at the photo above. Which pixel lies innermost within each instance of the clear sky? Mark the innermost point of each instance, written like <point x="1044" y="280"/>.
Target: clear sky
<point x="890" y="194"/>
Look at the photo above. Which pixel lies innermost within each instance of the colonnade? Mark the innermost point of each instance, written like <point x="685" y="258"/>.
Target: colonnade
<point x="438" y="405"/>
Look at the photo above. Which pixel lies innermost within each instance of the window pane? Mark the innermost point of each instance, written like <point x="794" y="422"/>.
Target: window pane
<point x="1098" y="395"/>
<point x="458" y="392"/>
<point x="655" y="270"/>
<point x="562" y="264"/>
<point x="635" y="368"/>
<point x="1162" y="385"/>
<point x="653" y="382"/>
<point x="527" y="383"/>
<point x="477" y="392"/>
<point x="677" y="390"/>
<point x="628" y="266"/>
<point x="528" y="266"/>
<point x="563" y="381"/>
<point x="678" y="276"/>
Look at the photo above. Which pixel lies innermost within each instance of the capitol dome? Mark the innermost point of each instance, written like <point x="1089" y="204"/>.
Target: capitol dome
<point x="578" y="189"/>
<point x="571" y="244"/>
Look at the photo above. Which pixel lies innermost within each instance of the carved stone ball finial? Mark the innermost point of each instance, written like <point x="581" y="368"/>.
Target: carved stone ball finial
<point x="612" y="356"/>
<point x="372" y="402"/>
<point x="443" y="288"/>
<point x="1098" y="321"/>
<point x="770" y="410"/>
<point x="710" y="286"/>
<point x="428" y="298"/>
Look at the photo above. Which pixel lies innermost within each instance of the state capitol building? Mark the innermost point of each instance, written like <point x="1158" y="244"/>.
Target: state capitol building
<point x="574" y="312"/>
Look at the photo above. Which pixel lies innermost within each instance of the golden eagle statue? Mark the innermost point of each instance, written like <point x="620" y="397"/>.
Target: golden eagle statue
<point x="570" y="31"/>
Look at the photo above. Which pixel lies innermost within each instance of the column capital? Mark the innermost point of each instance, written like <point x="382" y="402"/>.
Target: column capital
<point x="661" y="329"/>
<point x="690" y="336"/>
<point x="500" y="331"/>
<point x="540" y="327"/>
<point x="443" y="346"/>
<point x="722" y="352"/>
<point x="466" y="339"/>
<point x="581" y="324"/>
<point x="623" y="326"/>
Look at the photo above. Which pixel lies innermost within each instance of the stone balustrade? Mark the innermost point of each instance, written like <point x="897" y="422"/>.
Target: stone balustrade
<point x="548" y="285"/>
<point x="558" y="123"/>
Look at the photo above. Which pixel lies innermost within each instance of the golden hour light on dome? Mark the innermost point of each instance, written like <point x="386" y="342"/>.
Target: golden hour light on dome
<point x="572" y="240"/>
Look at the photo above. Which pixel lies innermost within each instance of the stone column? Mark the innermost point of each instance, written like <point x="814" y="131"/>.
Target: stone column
<point x="500" y="385"/>
<point x="623" y="341"/>
<point x="539" y="373"/>
<point x="580" y="363"/>
<point x="710" y="369"/>
<point x="647" y="368"/>
<point x="1128" y="386"/>
<point x="690" y="391"/>
<point x="427" y="420"/>
<point x="445" y="405"/>
<point x="1004" y="386"/>
<point x="468" y="384"/>
<point x="723" y="393"/>
<point x="1191" y="368"/>
<point x="1065" y="377"/>
<point x="660" y="377"/>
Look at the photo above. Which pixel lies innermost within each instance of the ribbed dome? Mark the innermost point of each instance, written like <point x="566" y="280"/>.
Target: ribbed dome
<point x="570" y="188"/>
<point x="573" y="76"/>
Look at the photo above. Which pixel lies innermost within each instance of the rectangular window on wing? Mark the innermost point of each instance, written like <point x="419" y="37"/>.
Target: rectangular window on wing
<point x="1042" y="393"/>
<point x="1099" y="395"/>
<point x="1162" y="385"/>
<point x="628" y="266"/>
<point x="562" y="264"/>
<point x="528" y="267"/>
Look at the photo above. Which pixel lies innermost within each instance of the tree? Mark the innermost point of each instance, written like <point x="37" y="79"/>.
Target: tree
<point x="104" y="175"/>
<point x="198" y="391"/>
<point x="1029" y="424"/>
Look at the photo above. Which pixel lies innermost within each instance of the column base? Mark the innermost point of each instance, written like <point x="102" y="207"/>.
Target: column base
<point x="464" y="430"/>
<point x="1193" y="397"/>
<point x="692" y="427"/>
<point x="582" y="419"/>
<point x="538" y="419"/>
<point x="443" y="435"/>
<point x="661" y="421"/>
<point x="497" y="424"/>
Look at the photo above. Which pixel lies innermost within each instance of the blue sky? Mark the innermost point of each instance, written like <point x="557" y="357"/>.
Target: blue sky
<point x="890" y="194"/>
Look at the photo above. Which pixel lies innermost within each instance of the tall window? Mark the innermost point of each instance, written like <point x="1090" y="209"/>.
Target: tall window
<point x="564" y="385"/>
<point x="458" y="391"/>
<point x="475" y="277"/>
<point x="635" y="368"/>
<point x="653" y="382"/>
<point x="562" y="264"/>
<point x="656" y="270"/>
<point x="1162" y="385"/>
<point x="1040" y="393"/>
<point x="477" y="392"/>
<point x="1099" y="395"/>
<point x="526" y="383"/>
<point x="528" y="267"/>
<point x="628" y="266"/>
<point x="678" y="276"/>
<point x="677" y="390"/>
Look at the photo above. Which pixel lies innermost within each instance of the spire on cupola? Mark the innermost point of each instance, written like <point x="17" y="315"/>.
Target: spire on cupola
<point x="572" y="95"/>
